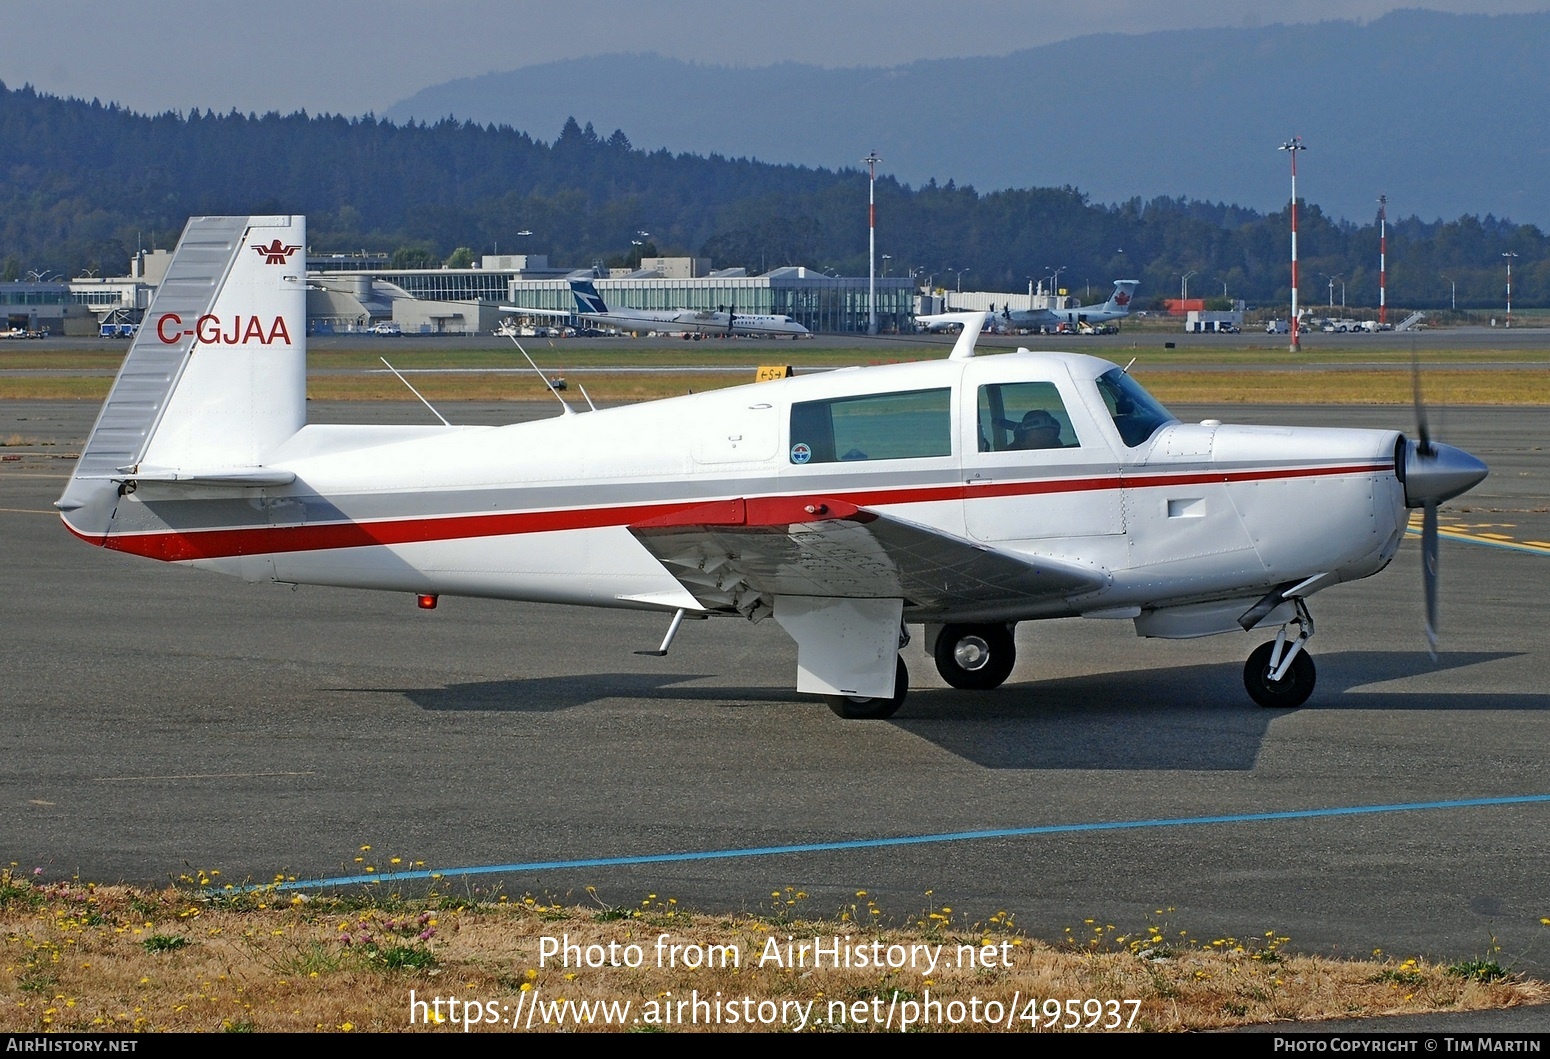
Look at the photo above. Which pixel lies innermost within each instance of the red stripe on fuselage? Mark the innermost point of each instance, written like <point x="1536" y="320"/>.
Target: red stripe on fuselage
<point x="182" y="546"/>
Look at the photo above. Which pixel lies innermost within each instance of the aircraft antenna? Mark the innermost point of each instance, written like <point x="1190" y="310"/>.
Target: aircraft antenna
<point x="417" y="393"/>
<point x="568" y="409"/>
<point x="590" y="406"/>
<point x="1132" y="364"/>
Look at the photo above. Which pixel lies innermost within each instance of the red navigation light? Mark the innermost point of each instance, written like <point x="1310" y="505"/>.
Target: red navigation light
<point x="426" y="601"/>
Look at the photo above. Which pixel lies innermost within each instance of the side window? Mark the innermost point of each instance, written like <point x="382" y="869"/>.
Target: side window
<point x="1018" y="416"/>
<point x="884" y="426"/>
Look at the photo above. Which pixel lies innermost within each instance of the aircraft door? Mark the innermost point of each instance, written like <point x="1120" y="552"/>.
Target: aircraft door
<point x="1036" y="468"/>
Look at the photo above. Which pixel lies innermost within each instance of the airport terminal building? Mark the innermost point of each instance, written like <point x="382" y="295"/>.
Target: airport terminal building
<point x="349" y="293"/>
<point x="469" y="300"/>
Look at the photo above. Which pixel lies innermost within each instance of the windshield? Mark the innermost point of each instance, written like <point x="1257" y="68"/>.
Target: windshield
<point x="1137" y="414"/>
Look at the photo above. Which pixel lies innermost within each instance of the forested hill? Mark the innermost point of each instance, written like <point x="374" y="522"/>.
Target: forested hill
<point x="84" y="183"/>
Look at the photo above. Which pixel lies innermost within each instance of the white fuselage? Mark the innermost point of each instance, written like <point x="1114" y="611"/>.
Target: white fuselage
<point x="1192" y="514"/>
<point x="694" y="321"/>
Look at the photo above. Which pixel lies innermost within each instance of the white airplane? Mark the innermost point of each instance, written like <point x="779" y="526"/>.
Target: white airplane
<point x="963" y="495"/>
<point x="590" y="306"/>
<point x="1115" y="308"/>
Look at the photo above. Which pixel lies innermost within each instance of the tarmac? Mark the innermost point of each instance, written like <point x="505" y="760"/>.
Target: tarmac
<point x="159" y="718"/>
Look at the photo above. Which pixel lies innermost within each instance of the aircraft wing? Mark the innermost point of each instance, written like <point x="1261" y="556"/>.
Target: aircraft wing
<point x="730" y="552"/>
<point x="557" y="313"/>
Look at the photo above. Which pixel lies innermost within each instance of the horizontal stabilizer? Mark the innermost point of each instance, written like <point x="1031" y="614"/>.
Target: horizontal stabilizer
<point x="244" y="476"/>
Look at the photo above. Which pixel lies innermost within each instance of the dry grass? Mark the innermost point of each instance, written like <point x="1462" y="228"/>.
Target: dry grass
<point x="84" y="958"/>
<point x="1393" y="386"/>
<point x="348" y="375"/>
<point x="602" y="387"/>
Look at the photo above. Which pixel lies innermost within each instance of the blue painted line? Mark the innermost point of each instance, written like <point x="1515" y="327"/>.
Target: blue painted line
<point x="905" y="840"/>
<point x="1508" y="545"/>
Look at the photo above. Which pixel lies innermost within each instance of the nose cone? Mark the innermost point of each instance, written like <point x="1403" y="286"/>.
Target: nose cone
<point x="1440" y="473"/>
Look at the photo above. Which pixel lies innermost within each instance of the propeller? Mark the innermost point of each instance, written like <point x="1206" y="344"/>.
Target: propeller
<point x="1433" y="472"/>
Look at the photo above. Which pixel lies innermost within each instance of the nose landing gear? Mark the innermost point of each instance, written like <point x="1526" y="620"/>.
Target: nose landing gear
<point x="1280" y="675"/>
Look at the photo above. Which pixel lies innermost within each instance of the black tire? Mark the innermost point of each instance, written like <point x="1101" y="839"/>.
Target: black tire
<point x="857" y="708"/>
<point x="975" y="657"/>
<point x="1287" y="693"/>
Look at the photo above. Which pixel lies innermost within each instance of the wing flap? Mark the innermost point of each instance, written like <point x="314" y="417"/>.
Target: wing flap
<point x="732" y="553"/>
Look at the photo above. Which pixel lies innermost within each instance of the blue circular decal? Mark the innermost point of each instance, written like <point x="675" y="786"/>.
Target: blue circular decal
<point x="800" y="453"/>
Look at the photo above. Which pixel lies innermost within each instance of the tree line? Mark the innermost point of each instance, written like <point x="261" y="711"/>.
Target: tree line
<point x="86" y="184"/>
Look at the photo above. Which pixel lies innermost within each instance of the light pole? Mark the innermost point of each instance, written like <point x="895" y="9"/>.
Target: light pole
<point x="886" y="258"/>
<point x="1509" y="255"/>
<point x="871" y="161"/>
<point x="1184" y="283"/>
<point x="960" y="272"/>
<point x="1454" y="283"/>
<point x="1383" y="260"/>
<point x="1292" y="146"/>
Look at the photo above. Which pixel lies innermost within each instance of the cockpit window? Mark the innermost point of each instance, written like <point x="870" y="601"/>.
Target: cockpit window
<point x="1023" y="415"/>
<point x="883" y="426"/>
<point x="1136" y="414"/>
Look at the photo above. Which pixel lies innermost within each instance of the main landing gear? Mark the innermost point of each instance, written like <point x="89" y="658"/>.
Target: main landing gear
<point x="1280" y="675"/>
<point x="971" y="657"/>
<point x="975" y="657"/>
<point x="859" y="708"/>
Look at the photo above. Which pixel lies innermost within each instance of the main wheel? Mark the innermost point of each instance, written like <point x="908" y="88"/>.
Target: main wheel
<point x="860" y="708"/>
<point x="975" y="657"/>
<point x="1290" y="691"/>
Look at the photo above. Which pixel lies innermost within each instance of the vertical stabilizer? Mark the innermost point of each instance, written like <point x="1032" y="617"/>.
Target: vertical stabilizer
<point x="216" y="376"/>
<point x="588" y="301"/>
<point x="1124" y="291"/>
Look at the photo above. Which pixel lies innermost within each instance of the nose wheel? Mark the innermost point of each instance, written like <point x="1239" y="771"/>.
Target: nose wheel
<point x="975" y="657"/>
<point x="1280" y="675"/>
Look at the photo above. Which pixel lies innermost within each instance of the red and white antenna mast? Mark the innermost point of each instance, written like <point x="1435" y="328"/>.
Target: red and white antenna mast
<point x="1509" y="255"/>
<point x="1292" y="146"/>
<point x="871" y="161"/>
<point x="1383" y="260"/>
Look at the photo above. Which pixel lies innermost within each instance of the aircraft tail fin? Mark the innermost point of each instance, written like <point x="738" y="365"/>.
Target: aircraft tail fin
<point x="1124" y="291"/>
<point x="216" y="376"/>
<point x="588" y="300"/>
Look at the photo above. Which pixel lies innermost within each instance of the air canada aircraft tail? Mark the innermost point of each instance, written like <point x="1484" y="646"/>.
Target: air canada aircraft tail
<point x="1124" y="291"/>
<point x="216" y="378"/>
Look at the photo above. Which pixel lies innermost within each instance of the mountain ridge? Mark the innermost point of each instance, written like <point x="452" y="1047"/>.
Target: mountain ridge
<point x="1173" y="112"/>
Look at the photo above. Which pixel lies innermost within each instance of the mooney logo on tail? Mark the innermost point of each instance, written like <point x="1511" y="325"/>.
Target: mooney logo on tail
<point x="276" y="253"/>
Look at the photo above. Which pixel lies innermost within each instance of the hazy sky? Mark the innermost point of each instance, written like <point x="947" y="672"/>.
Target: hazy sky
<point x="351" y="58"/>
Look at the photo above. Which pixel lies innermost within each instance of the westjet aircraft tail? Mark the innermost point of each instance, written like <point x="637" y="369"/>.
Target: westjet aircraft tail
<point x="216" y="378"/>
<point x="588" y="301"/>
